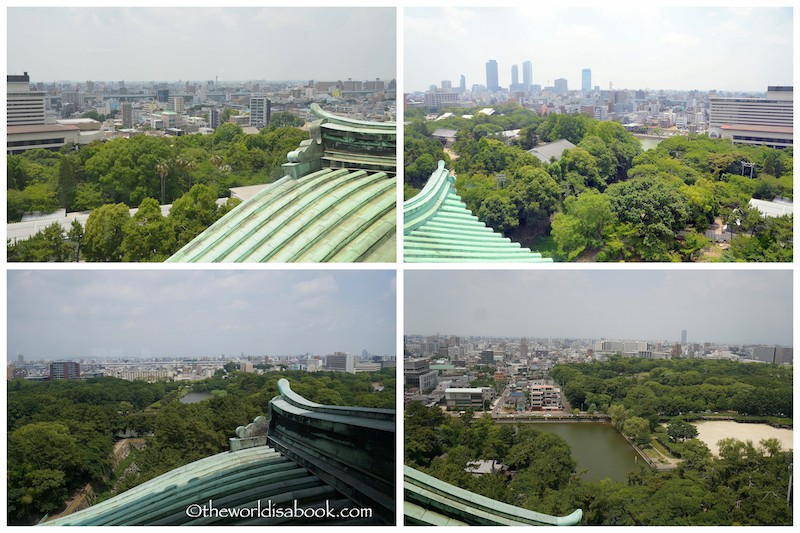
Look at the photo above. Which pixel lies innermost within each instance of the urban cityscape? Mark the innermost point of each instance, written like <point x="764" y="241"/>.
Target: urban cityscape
<point x="625" y="388"/>
<point x="604" y="120"/>
<point x="531" y="395"/>
<point x="123" y="131"/>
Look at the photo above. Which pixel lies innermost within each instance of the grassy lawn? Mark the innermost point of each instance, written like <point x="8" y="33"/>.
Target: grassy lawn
<point x="658" y="446"/>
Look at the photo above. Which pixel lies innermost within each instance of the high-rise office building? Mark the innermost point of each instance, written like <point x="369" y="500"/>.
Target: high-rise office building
<point x="260" y="111"/>
<point x="492" y="83"/>
<point x="514" y="76"/>
<point x="560" y="86"/>
<point x="586" y="80"/>
<point x="527" y="75"/>
<point x="683" y="336"/>
<point x="162" y="95"/>
<point x="23" y="106"/>
<point x="462" y="85"/>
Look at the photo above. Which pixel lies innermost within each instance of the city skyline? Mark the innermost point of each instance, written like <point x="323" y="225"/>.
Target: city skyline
<point x="201" y="43"/>
<point x="725" y="307"/>
<point x="182" y="313"/>
<point x="613" y="42"/>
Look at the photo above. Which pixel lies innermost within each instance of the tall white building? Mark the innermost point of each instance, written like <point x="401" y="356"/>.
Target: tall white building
<point x="760" y="121"/>
<point x="23" y="106"/>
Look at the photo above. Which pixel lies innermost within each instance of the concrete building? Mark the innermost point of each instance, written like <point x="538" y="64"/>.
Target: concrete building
<point x="177" y="104"/>
<point x="47" y="136"/>
<point x="418" y="374"/>
<point x="560" y="86"/>
<point x="492" y="83"/>
<point x="544" y="397"/>
<point x="341" y="362"/>
<point x="65" y="370"/>
<point x="439" y="98"/>
<point x="759" y="121"/>
<point x="586" y="80"/>
<point x="776" y="355"/>
<point x="126" y="110"/>
<point x="23" y="106"/>
<point x="514" y="77"/>
<point x="260" y="111"/>
<point x="460" y="399"/>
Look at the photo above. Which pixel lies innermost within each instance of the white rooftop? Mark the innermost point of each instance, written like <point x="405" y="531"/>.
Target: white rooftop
<point x="773" y="209"/>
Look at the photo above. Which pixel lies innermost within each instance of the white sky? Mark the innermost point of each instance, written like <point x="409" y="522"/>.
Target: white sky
<point x="725" y="306"/>
<point x="74" y="313"/>
<point x="199" y="43"/>
<point x="634" y="45"/>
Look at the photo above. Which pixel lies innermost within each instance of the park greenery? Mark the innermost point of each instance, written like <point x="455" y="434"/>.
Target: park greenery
<point x="746" y="484"/>
<point x="658" y="389"/>
<point x="61" y="433"/>
<point x="145" y="172"/>
<point x="606" y="199"/>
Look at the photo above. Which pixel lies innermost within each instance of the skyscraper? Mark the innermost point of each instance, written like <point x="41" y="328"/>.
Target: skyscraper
<point x="586" y="80"/>
<point x="527" y="75"/>
<point x="560" y="86"/>
<point x="462" y="86"/>
<point x="514" y="76"/>
<point x="683" y="336"/>
<point x="491" y="76"/>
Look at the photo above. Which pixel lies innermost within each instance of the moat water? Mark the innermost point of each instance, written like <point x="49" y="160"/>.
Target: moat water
<point x="194" y="397"/>
<point x="596" y="447"/>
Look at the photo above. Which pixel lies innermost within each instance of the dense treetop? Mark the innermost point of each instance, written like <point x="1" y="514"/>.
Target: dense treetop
<point x="659" y="202"/>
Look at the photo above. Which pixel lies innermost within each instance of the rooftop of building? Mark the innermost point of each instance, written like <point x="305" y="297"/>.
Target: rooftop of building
<point x="758" y="128"/>
<point x="553" y="150"/>
<point x="18" y="78"/>
<point x="438" y="227"/>
<point x="41" y="128"/>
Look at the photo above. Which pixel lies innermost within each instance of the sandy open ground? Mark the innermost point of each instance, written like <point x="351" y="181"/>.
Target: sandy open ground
<point x="712" y="432"/>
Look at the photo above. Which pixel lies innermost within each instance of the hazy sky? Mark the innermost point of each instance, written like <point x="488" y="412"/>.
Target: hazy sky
<point x="204" y="312"/>
<point x="198" y="43"/>
<point x="733" y="306"/>
<point x="634" y="45"/>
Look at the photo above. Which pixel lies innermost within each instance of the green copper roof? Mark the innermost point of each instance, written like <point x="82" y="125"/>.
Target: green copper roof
<point x="329" y="215"/>
<point x="337" y="203"/>
<point x="430" y="501"/>
<point x="438" y="227"/>
<point x="231" y="480"/>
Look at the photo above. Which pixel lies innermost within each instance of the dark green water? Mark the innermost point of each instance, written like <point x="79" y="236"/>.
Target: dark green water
<point x="597" y="447"/>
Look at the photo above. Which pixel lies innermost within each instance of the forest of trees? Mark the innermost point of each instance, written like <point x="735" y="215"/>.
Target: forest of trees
<point x="745" y="485"/>
<point x="108" y="178"/>
<point x="606" y="199"/>
<point x="654" y="389"/>
<point x="61" y="433"/>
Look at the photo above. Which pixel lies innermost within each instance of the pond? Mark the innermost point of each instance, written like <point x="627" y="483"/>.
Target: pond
<point x="596" y="447"/>
<point x="194" y="397"/>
